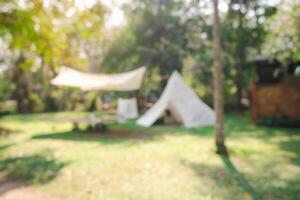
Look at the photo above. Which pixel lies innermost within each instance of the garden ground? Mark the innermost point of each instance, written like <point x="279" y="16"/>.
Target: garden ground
<point x="41" y="157"/>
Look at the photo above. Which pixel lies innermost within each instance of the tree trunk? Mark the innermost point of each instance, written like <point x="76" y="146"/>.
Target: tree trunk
<point x="21" y="92"/>
<point x="218" y="83"/>
<point x="92" y="56"/>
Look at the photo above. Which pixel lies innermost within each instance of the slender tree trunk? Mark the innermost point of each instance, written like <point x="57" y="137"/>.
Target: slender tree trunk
<point x="92" y="61"/>
<point x="218" y="83"/>
<point x="21" y="92"/>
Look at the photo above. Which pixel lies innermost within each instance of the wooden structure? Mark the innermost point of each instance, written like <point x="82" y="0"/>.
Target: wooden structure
<point x="275" y="97"/>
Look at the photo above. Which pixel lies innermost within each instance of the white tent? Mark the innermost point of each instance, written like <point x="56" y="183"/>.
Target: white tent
<point x="182" y="102"/>
<point x="127" y="81"/>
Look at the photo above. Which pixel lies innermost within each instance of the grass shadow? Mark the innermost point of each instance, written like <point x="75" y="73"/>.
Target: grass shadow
<point x="6" y="132"/>
<point x="37" y="169"/>
<point x="258" y="184"/>
<point x="172" y="129"/>
<point x="5" y="146"/>
<point x="227" y="177"/>
<point x="292" y="145"/>
<point x="241" y="180"/>
<point x="109" y="137"/>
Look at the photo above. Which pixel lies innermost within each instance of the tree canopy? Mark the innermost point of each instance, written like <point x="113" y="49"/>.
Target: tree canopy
<point x="37" y="37"/>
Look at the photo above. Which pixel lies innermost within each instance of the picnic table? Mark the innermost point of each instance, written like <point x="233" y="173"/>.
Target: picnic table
<point x="94" y="123"/>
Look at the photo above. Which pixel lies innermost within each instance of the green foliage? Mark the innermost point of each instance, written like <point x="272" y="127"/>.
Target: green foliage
<point x="6" y="88"/>
<point x="40" y="38"/>
<point x="153" y="36"/>
<point x="284" y="32"/>
<point x="20" y="24"/>
<point x="38" y="104"/>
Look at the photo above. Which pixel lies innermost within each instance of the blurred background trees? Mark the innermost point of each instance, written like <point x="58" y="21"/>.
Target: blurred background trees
<point x="39" y="36"/>
<point x="284" y="32"/>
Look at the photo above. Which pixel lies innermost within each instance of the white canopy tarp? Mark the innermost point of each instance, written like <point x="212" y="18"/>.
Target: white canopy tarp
<point x="182" y="102"/>
<point x="127" y="81"/>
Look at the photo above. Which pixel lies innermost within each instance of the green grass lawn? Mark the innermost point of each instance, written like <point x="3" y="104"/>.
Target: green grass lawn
<point x="159" y="163"/>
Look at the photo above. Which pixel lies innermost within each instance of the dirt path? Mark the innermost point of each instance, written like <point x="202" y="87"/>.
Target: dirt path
<point x="19" y="191"/>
